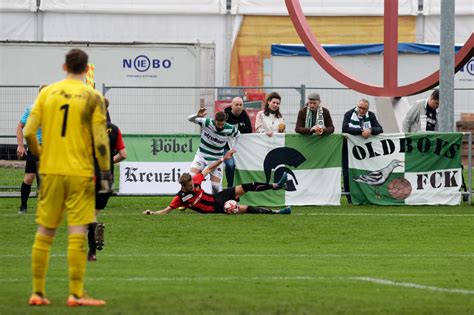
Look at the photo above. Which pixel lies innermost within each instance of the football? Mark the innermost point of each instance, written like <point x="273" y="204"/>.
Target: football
<point x="231" y="206"/>
<point x="399" y="188"/>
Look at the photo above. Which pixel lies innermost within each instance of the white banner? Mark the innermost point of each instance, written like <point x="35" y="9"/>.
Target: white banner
<point x="18" y="5"/>
<point x="142" y="6"/>
<point x="154" y="178"/>
<point x="322" y="7"/>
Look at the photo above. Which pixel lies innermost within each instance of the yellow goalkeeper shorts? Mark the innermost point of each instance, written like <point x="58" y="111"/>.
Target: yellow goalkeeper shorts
<point x="74" y="195"/>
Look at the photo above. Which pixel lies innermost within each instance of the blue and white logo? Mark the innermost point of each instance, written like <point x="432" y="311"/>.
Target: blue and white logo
<point x="143" y="63"/>
<point x="469" y="67"/>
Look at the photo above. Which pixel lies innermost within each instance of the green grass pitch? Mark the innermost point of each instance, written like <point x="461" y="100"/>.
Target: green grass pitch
<point x="319" y="260"/>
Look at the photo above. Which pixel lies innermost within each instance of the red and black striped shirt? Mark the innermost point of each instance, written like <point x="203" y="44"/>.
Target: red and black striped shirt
<point x="197" y="200"/>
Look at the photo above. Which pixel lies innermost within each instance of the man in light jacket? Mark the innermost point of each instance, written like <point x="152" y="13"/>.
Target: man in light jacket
<point x="423" y="115"/>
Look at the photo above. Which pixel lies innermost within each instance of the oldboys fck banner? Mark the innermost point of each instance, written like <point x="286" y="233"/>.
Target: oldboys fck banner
<point x="415" y="169"/>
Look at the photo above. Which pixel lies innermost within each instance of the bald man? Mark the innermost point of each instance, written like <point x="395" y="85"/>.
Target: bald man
<point x="236" y="115"/>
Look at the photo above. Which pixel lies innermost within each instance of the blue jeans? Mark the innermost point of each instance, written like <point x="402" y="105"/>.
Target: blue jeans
<point x="229" y="170"/>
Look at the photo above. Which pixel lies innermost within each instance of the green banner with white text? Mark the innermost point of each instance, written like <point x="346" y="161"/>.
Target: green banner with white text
<point x="161" y="148"/>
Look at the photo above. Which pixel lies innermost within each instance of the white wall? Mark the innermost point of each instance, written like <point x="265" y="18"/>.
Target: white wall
<point x="463" y="28"/>
<point x="136" y="111"/>
<point x="140" y="28"/>
<point x="322" y="7"/>
<point x="190" y="21"/>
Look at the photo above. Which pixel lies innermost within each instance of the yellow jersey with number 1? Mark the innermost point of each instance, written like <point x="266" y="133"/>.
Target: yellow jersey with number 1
<point x="73" y="120"/>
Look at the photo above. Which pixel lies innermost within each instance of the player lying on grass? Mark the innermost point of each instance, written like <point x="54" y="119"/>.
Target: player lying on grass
<point x="192" y="196"/>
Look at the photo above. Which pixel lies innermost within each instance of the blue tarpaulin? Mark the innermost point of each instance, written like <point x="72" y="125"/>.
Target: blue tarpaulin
<point x="359" y="49"/>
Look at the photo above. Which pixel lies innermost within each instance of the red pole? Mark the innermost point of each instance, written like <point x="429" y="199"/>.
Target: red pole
<point x="390" y="42"/>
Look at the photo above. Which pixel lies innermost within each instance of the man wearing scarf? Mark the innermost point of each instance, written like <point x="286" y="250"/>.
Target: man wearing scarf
<point x="361" y="121"/>
<point x="314" y="118"/>
<point x="357" y="121"/>
<point x="423" y="115"/>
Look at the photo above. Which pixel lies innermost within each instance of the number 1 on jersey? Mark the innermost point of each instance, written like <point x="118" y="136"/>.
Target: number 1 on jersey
<point x="66" y="109"/>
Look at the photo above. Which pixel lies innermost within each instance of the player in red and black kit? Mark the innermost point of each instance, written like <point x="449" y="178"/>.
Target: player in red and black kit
<point x="118" y="153"/>
<point x="192" y="196"/>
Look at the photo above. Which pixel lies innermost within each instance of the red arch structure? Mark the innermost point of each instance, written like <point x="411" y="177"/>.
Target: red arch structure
<point x="390" y="87"/>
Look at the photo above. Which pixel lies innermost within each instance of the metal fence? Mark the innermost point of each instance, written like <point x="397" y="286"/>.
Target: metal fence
<point x="163" y="110"/>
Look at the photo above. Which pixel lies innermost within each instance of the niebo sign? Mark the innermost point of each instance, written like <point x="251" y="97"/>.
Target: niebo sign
<point x="143" y="63"/>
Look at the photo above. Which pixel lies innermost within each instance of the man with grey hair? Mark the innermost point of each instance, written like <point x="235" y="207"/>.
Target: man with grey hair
<point x="314" y="118"/>
<point x="361" y="121"/>
<point x="357" y="121"/>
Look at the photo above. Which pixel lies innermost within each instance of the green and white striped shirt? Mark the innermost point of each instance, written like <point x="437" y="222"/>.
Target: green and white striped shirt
<point x="213" y="142"/>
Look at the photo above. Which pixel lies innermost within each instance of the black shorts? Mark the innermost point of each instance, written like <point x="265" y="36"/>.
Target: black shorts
<point x="100" y="199"/>
<point x="221" y="197"/>
<point x="31" y="161"/>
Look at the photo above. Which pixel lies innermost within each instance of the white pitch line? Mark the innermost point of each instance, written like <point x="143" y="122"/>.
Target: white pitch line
<point x="268" y="278"/>
<point x="389" y="214"/>
<point x="244" y="255"/>
<point x="412" y="285"/>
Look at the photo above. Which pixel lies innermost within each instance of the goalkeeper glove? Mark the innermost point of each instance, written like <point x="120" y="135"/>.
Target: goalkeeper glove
<point x="106" y="183"/>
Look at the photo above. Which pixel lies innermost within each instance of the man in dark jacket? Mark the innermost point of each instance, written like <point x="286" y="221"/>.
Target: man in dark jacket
<point x="236" y="115"/>
<point x="357" y="121"/>
<point x="361" y="121"/>
<point x="314" y="118"/>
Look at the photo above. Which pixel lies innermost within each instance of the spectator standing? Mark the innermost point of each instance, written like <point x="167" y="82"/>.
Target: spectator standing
<point x="270" y="120"/>
<point x="357" y="121"/>
<point x="235" y="115"/>
<point x="314" y="118"/>
<point x="423" y="115"/>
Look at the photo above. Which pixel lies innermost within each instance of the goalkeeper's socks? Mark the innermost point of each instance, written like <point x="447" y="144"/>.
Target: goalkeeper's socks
<point x="76" y="257"/>
<point x="259" y="210"/>
<point x="40" y="261"/>
<point x="25" y="194"/>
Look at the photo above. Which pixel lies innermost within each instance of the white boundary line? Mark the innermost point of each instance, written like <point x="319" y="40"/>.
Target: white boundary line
<point x="269" y="278"/>
<point x="355" y="214"/>
<point x="412" y="285"/>
<point x="389" y="214"/>
<point x="224" y="255"/>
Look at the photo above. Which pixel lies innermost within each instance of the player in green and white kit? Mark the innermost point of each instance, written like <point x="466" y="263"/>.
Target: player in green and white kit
<point x="214" y="136"/>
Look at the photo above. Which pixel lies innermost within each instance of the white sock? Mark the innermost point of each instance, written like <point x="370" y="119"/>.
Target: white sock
<point x="216" y="187"/>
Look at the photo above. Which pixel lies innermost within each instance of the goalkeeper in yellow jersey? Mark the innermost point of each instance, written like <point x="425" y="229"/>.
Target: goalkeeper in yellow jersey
<point x="72" y="117"/>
